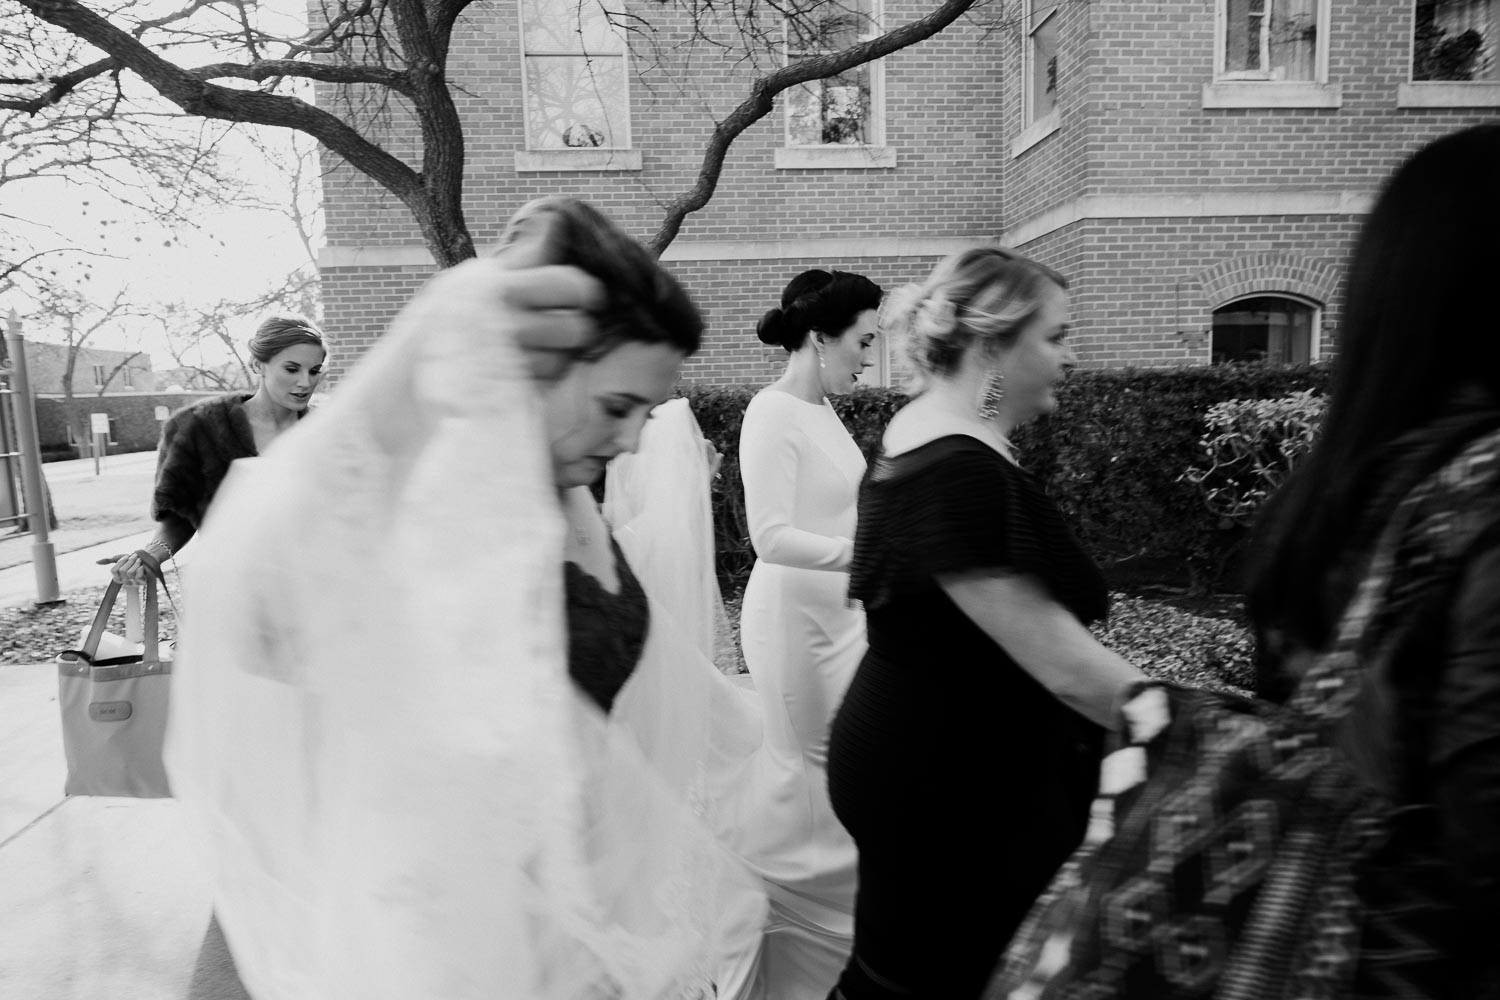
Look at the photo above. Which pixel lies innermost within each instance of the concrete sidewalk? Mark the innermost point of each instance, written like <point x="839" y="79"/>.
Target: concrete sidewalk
<point x="79" y="568"/>
<point x="100" y="898"/>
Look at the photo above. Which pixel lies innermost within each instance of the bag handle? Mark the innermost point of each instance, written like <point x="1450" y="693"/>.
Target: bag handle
<point x="101" y="620"/>
<point x="151" y="624"/>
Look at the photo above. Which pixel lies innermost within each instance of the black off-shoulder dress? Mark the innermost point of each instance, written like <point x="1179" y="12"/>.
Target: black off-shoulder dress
<point x="963" y="781"/>
<point x="606" y="631"/>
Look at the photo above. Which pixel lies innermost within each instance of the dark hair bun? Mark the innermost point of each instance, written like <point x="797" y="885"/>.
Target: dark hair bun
<point x="772" y="328"/>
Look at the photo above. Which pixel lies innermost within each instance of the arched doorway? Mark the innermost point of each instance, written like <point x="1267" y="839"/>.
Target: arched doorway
<point x="1277" y="329"/>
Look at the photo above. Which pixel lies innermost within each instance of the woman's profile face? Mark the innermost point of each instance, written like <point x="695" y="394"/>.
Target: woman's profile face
<point x="846" y="357"/>
<point x="597" y="409"/>
<point x="1039" y="360"/>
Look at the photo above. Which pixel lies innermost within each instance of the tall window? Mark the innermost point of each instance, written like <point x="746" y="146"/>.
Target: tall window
<point x="1269" y="40"/>
<point x="575" y="76"/>
<point x="841" y="110"/>
<point x="1455" y="40"/>
<point x="1268" y="328"/>
<point x="128" y="374"/>
<point x="1039" y="59"/>
<point x="98" y="376"/>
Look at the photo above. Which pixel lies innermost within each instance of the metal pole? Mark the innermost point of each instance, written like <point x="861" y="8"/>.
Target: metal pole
<point x="43" y="561"/>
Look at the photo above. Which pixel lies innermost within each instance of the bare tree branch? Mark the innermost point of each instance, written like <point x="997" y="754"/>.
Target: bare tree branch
<point x="61" y="87"/>
<point x="198" y="97"/>
<point x="116" y="370"/>
<point x="762" y="100"/>
<point x="386" y="62"/>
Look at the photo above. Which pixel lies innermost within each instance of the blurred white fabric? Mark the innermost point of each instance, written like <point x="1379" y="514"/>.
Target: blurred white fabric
<point x="711" y="733"/>
<point x="400" y="791"/>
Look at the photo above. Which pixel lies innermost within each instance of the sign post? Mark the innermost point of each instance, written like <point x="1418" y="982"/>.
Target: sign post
<point x="99" y="424"/>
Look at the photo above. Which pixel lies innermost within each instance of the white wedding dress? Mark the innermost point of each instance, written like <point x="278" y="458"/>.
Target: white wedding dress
<point x="399" y="790"/>
<point x="764" y="786"/>
<point x="802" y="645"/>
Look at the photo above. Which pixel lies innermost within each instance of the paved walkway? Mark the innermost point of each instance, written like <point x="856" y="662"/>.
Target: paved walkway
<point x="100" y="898"/>
<point x="79" y="568"/>
<point x="101" y="514"/>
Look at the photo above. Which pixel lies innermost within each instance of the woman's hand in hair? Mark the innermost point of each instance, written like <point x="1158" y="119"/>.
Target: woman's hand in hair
<point x="551" y="309"/>
<point x="547" y="311"/>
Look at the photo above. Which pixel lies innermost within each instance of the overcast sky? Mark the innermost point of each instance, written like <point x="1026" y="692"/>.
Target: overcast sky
<point x="227" y="254"/>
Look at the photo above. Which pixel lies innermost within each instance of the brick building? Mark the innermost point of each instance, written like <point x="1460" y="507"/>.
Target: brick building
<point x="882" y="172"/>
<point x="1197" y="167"/>
<point x="95" y="371"/>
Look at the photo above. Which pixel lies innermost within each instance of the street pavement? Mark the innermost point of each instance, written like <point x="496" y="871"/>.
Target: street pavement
<point x="100" y="898"/>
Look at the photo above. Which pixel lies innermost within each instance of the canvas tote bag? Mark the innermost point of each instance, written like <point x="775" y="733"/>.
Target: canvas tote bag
<point x="114" y="708"/>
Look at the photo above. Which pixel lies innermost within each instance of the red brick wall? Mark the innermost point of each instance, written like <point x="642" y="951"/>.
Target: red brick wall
<point x="358" y="305"/>
<point x="133" y="423"/>
<point x="940" y="120"/>
<point x="1135" y="283"/>
<point x="1131" y="76"/>
<point x="734" y="295"/>
<point x="1058" y="167"/>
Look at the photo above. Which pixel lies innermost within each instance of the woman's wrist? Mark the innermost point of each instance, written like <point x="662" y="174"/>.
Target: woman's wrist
<point x="160" y="549"/>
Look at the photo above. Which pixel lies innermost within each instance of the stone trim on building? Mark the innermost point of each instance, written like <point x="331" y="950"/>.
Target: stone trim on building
<point x="1269" y="273"/>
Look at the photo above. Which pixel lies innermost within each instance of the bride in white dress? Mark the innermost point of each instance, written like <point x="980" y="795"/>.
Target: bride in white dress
<point x="399" y="788"/>
<point x="802" y="642"/>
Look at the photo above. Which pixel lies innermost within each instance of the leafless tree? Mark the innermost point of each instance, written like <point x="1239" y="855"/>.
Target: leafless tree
<point x="378" y="58"/>
<point x="194" y="331"/>
<point x="139" y="156"/>
<point x="77" y="319"/>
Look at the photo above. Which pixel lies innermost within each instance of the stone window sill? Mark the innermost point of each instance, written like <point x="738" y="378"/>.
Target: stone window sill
<point x="835" y="157"/>
<point x="595" y="160"/>
<point x="1272" y="94"/>
<point x="1448" y="94"/>
<point x="1035" y="133"/>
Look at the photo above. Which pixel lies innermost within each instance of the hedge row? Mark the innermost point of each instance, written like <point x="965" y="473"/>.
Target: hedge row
<point x="1113" y="456"/>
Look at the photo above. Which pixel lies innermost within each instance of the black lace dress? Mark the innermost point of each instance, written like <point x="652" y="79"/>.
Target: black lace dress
<point x="606" y="631"/>
<point x="963" y="781"/>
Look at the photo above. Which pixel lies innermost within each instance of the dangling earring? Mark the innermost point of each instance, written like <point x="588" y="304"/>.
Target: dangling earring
<point x="994" y="391"/>
<point x="819" y="350"/>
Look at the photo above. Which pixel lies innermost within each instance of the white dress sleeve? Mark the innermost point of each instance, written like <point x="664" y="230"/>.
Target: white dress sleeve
<point x="772" y="448"/>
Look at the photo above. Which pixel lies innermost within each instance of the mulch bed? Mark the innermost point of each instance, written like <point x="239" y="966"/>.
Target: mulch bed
<point x="1193" y="640"/>
<point x="36" y="634"/>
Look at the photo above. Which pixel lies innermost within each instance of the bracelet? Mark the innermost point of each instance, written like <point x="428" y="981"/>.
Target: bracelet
<point x="160" y="549"/>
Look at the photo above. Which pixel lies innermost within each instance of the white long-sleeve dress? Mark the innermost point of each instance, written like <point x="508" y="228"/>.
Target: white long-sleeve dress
<point x="802" y="643"/>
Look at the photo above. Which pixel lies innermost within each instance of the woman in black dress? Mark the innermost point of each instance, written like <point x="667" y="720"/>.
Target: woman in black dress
<point x="965" y="754"/>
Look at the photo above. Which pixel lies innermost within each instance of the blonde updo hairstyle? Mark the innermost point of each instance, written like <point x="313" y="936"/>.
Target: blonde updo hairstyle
<point x="974" y="299"/>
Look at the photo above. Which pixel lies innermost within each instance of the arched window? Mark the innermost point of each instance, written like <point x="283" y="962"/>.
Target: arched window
<point x="1276" y="329"/>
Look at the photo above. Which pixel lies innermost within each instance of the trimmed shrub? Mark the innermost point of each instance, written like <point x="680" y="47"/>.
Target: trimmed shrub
<point x="1250" y="448"/>
<point x="1114" y="453"/>
<point x="1113" y="456"/>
